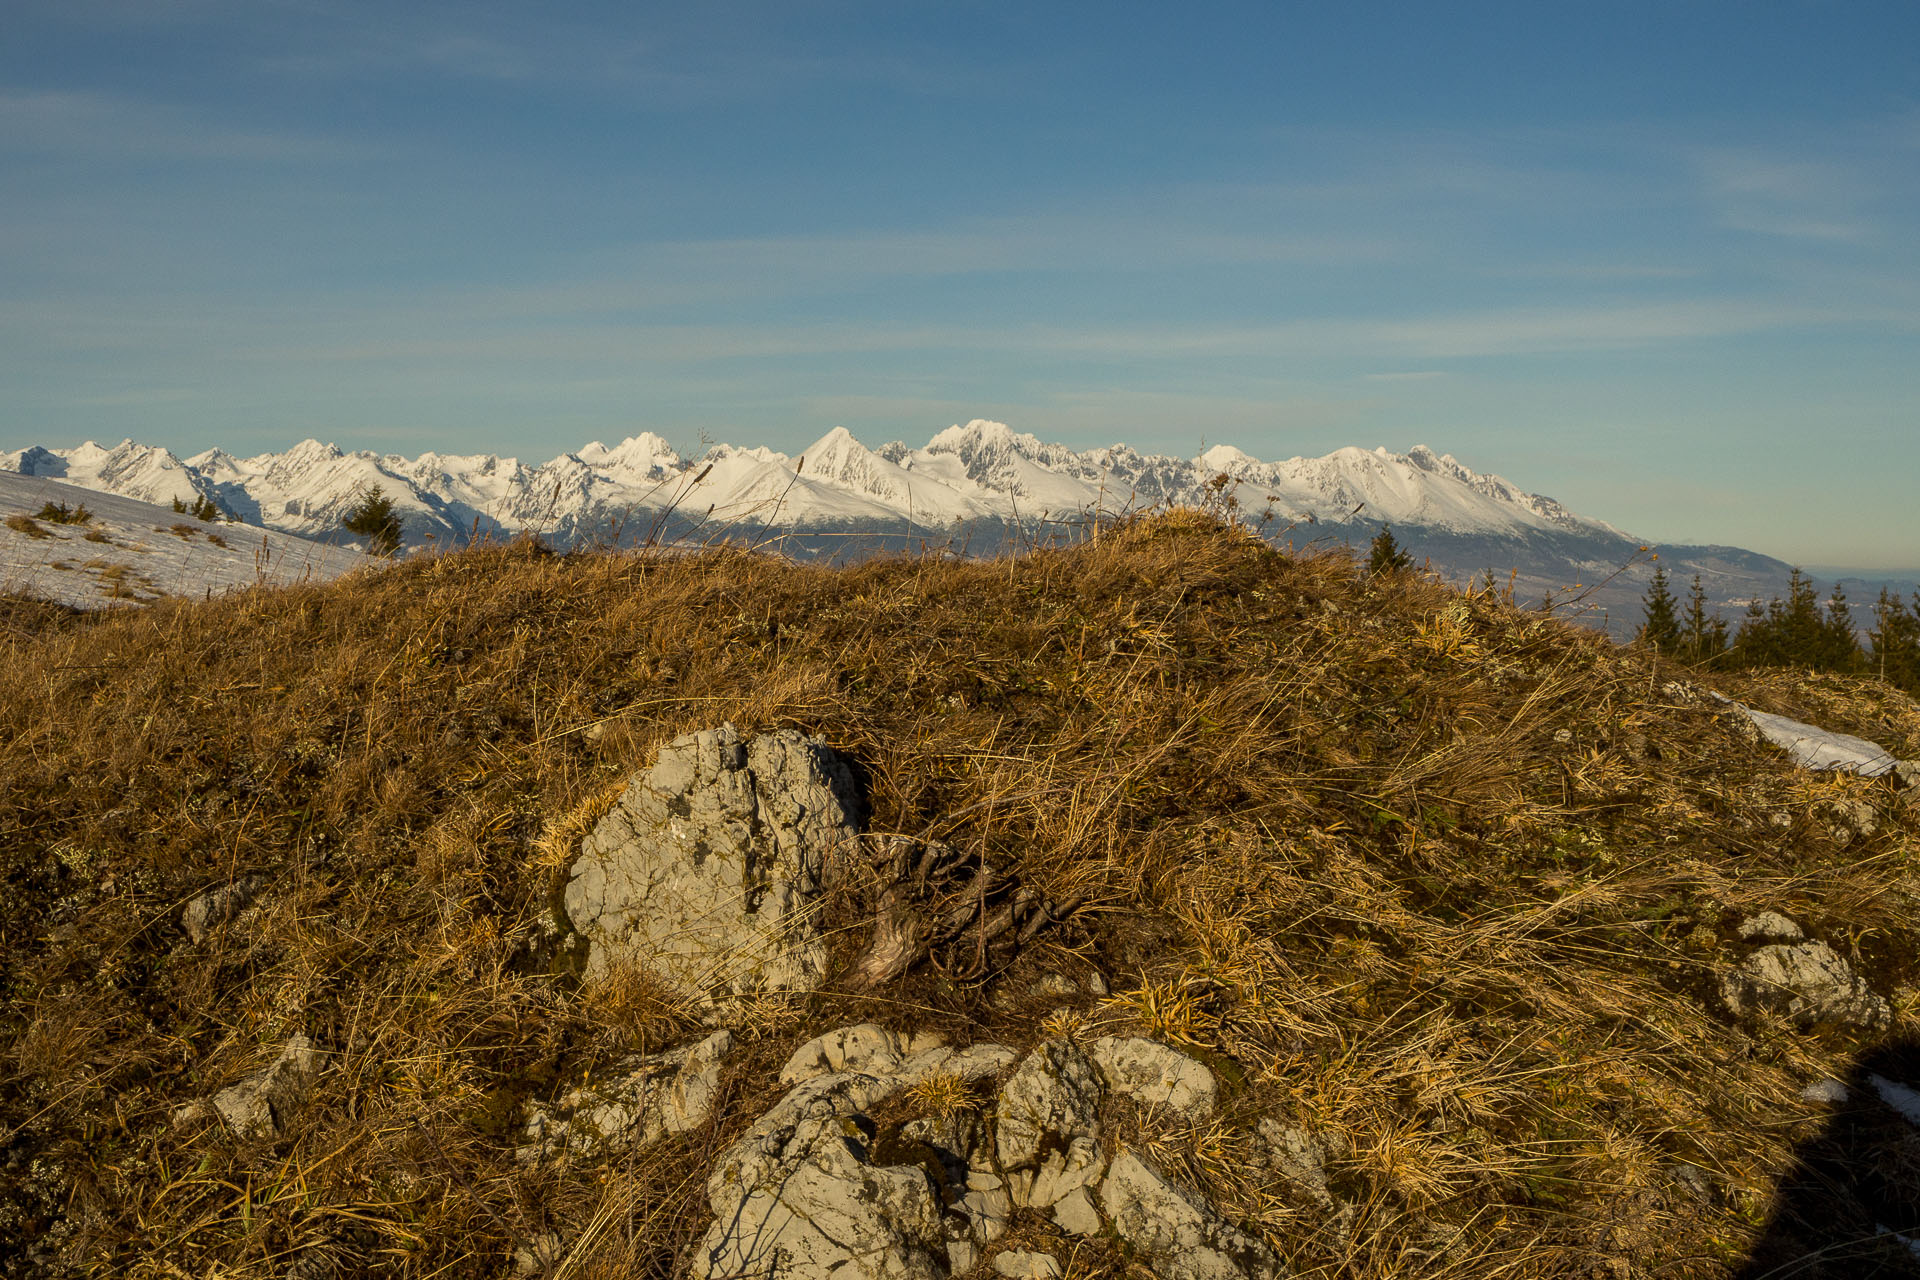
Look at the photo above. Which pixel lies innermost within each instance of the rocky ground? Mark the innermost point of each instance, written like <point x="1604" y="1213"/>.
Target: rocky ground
<point x="1161" y="906"/>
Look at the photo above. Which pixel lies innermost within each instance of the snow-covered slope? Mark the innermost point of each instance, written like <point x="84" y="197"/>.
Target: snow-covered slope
<point x="127" y="551"/>
<point x="980" y="471"/>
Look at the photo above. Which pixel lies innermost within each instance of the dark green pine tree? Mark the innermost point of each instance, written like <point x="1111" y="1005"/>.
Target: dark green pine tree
<point x="1661" y="627"/>
<point x="1703" y="636"/>
<point x="1895" y="637"/>
<point x="1838" y="648"/>
<point x="1386" y="556"/>
<point x="1787" y="633"/>
<point x="374" y="519"/>
<point x="1757" y="642"/>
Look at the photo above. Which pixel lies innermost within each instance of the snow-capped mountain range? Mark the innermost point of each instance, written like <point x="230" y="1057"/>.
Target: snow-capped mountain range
<point x="971" y="487"/>
<point x="980" y="472"/>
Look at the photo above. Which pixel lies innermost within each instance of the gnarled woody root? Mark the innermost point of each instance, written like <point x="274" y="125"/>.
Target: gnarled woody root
<point x="934" y="903"/>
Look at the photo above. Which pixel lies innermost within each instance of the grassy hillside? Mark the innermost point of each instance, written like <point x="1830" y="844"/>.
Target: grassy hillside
<point x="1444" y="878"/>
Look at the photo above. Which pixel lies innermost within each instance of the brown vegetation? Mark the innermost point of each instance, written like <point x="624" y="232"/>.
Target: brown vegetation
<point x="1445" y="877"/>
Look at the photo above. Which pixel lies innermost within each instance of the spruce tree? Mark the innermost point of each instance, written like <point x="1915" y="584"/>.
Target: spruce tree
<point x="1661" y="627"/>
<point x="1703" y="638"/>
<point x="1757" y="642"/>
<point x="1839" y="647"/>
<point x="1387" y="557"/>
<point x="374" y="519"/>
<point x="1895" y="636"/>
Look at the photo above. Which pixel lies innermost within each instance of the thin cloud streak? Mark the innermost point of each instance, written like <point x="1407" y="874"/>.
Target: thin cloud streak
<point x="97" y="125"/>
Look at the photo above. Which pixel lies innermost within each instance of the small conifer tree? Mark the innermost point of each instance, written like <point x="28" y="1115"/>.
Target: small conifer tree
<point x="1661" y="627"/>
<point x="374" y="519"/>
<point x="1386" y="555"/>
<point x="1895" y="637"/>
<point x="179" y="507"/>
<point x="1703" y="638"/>
<point x="1838" y="648"/>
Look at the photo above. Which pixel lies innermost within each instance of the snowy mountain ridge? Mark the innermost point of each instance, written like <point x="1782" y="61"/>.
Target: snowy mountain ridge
<point x="982" y="471"/>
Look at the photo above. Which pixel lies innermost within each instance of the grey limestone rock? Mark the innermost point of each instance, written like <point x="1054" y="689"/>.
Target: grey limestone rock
<point x="1053" y="1098"/>
<point x="1808" y="983"/>
<point x="1155" y="1075"/>
<point x="801" y="1193"/>
<point x="866" y="1047"/>
<point x="536" y="1255"/>
<point x="261" y="1107"/>
<point x="633" y="1106"/>
<point x="1178" y="1234"/>
<point x="1297" y="1156"/>
<point x="1021" y="1264"/>
<point x="706" y="870"/>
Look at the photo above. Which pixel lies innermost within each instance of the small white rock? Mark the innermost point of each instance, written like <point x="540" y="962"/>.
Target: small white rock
<point x="262" y="1106"/>
<point x="1830" y="1092"/>
<point x="535" y="1255"/>
<point x="1055" y="986"/>
<point x="1075" y="1214"/>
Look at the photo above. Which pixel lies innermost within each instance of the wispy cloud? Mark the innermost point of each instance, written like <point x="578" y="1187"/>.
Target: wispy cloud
<point x="1785" y="195"/>
<point x="96" y="125"/>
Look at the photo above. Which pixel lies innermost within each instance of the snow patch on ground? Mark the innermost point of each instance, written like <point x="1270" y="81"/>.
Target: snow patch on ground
<point x="1898" y="1096"/>
<point x="1816" y="748"/>
<point x="132" y="552"/>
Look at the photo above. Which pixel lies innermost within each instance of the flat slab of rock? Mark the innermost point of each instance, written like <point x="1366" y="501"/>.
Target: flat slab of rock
<point x="706" y="871"/>
<point x="1053" y="1098"/>
<point x="866" y="1047"/>
<point x="1155" y="1075"/>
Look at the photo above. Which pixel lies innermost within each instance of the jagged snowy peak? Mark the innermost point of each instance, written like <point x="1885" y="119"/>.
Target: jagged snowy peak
<point x="645" y="456"/>
<point x="978" y="471"/>
<point x="839" y="460"/>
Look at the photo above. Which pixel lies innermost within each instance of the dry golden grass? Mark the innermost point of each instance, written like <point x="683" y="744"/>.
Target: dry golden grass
<point x="26" y="524"/>
<point x="1445" y="880"/>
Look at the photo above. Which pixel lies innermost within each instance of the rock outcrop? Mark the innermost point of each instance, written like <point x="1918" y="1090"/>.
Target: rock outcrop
<point x="814" y="1188"/>
<point x="804" y="1191"/>
<point x="706" y="870"/>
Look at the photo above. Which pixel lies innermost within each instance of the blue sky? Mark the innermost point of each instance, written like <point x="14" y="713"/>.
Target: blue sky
<point x="1657" y="260"/>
